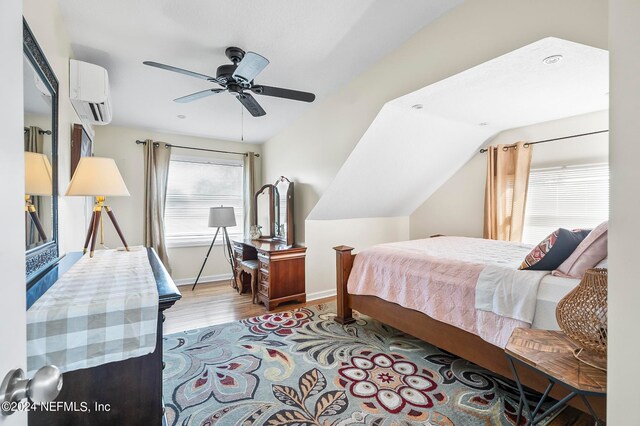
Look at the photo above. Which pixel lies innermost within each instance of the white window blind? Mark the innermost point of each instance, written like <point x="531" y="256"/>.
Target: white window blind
<point x="565" y="197"/>
<point x="193" y="187"/>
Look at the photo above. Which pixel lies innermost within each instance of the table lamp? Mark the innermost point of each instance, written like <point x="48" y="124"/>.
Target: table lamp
<point x="98" y="177"/>
<point x="221" y="218"/>
<point x="37" y="181"/>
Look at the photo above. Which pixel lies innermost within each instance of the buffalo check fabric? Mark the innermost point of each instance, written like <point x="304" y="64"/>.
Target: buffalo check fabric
<point x="104" y="309"/>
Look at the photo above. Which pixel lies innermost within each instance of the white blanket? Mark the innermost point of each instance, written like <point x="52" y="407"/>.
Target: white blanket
<point x="508" y="292"/>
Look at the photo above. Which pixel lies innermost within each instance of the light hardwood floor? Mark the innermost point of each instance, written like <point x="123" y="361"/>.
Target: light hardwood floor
<point x="218" y="303"/>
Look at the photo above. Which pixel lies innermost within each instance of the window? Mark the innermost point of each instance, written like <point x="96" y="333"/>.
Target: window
<point x="565" y="197"/>
<point x="195" y="185"/>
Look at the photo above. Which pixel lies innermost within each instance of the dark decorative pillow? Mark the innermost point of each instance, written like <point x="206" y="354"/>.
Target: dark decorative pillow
<point x="554" y="250"/>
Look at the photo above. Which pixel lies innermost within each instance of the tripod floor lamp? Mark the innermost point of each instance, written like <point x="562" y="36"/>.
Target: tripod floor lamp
<point x="98" y="177"/>
<point x="222" y="218"/>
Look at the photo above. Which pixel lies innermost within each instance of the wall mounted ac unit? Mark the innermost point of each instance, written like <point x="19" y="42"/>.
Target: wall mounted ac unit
<point x="89" y="92"/>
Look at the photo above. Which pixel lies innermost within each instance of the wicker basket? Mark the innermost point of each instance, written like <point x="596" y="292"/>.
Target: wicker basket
<point x="582" y="314"/>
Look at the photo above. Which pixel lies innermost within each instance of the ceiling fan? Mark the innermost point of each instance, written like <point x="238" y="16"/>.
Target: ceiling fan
<point x="237" y="79"/>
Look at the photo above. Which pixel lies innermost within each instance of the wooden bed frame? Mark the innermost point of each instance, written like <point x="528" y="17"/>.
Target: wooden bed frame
<point x="444" y="336"/>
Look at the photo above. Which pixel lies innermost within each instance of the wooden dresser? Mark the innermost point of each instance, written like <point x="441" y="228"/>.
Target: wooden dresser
<point x="131" y="389"/>
<point x="281" y="272"/>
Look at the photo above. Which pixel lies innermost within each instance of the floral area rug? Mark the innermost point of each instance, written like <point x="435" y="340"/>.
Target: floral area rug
<point x="302" y="368"/>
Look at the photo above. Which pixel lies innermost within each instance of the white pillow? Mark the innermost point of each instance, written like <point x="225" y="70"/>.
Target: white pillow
<point x="603" y="263"/>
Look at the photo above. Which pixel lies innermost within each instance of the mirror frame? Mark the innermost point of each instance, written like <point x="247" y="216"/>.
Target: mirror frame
<point x="288" y="239"/>
<point x="272" y="209"/>
<point x="39" y="259"/>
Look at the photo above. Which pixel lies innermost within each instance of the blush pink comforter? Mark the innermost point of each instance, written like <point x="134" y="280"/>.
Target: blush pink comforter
<point x="438" y="276"/>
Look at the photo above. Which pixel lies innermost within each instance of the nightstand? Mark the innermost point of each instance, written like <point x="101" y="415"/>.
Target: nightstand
<point x="550" y="353"/>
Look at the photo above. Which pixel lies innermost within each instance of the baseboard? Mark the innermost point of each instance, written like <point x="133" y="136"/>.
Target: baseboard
<point x="321" y="294"/>
<point x="226" y="277"/>
<point x="204" y="279"/>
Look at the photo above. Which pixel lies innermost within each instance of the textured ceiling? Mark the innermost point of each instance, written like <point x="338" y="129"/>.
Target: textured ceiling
<point x="313" y="46"/>
<point x="425" y="147"/>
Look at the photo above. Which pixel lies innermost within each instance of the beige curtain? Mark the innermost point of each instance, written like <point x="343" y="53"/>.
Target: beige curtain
<point x="506" y="191"/>
<point x="156" y="172"/>
<point x="33" y="142"/>
<point x="249" y="190"/>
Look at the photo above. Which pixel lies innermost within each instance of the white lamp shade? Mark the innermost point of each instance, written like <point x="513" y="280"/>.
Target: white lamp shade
<point x="97" y="176"/>
<point x="37" y="174"/>
<point x="222" y="217"/>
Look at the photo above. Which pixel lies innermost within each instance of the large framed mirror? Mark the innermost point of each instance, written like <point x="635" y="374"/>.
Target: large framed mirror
<point x="40" y="158"/>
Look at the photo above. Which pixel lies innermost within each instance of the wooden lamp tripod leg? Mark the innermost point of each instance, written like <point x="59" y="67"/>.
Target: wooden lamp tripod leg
<point x="89" y="233"/>
<point x="94" y="232"/>
<point x="115" y="225"/>
<point x="36" y="222"/>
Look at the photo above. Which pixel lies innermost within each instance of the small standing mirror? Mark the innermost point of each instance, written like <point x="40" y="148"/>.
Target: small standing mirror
<point x="284" y="227"/>
<point x="265" y="211"/>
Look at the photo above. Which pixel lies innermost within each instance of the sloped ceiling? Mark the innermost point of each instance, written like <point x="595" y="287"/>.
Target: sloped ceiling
<point x="407" y="153"/>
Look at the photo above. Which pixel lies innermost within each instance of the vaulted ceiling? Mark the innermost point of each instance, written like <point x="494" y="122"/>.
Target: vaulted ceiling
<point x="313" y="46"/>
<point x="420" y="140"/>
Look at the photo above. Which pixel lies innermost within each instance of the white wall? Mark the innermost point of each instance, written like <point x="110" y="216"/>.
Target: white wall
<point x="13" y="333"/>
<point x="323" y="235"/>
<point x="47" y="24"/>
<point x="119" y="143"/>
<point x="457" y="208"/>
<point x="624" y="233"/>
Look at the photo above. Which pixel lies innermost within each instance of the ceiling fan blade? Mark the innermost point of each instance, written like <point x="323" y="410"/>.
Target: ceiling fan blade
<point x="251" y="104"/>
<point x="249" y="67"/>
<point x="279" y="92"/>
<point x="198" y="95"/>
<point x="180" y="71"/>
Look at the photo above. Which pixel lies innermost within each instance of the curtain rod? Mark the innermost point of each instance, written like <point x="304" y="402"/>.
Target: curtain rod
<point x="483" y="150"/>
<point x="42" y="132"/>
<point x="168" y="145"/>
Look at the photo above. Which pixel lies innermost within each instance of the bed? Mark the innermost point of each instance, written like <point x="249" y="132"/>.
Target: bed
<point x="427" y="288"/>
